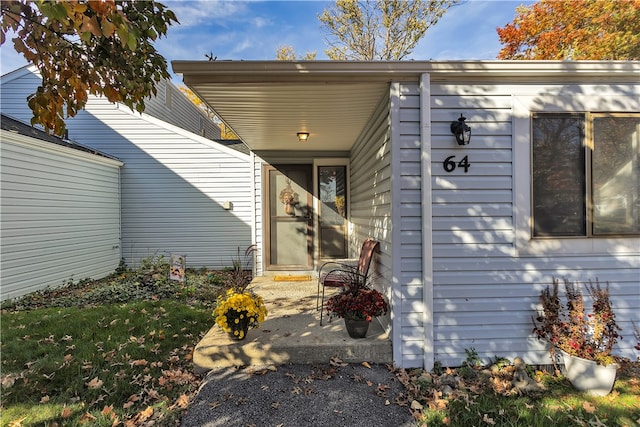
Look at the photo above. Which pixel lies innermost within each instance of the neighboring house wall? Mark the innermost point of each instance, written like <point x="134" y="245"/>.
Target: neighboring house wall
<point x="487" y="272"/>
<point x="172" y="106"/>
<point x="59" y="216"/>
<point x="175" y="184"/>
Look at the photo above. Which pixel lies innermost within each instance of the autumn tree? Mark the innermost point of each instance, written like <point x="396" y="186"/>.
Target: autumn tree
<point x="573" y="29"/>
<point x="287" y="53"/>
<point x="225" y="131"/>
<point x="87" y="47"/>
<point x="382" y="30"/>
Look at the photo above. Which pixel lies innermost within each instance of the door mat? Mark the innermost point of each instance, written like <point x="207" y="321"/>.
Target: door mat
<point x="303" y="278"/>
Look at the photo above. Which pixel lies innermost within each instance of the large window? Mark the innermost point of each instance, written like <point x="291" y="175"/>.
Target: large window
<point x="586" y="174"/>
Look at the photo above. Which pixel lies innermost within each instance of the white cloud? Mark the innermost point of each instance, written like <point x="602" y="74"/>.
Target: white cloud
<point x="192" y="13"/>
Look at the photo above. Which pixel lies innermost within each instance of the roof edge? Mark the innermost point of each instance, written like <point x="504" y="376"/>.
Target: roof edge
<point x="274" y="70"/>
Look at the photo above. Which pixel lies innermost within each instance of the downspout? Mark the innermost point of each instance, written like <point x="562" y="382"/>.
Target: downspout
<point x="120" y="213"/>
<point x="427" y="230"/>
<point x="258" y="260"/>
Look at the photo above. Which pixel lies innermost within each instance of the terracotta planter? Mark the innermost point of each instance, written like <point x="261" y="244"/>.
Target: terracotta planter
<point x="588" y="376"/>
<point x="357" y="328"/>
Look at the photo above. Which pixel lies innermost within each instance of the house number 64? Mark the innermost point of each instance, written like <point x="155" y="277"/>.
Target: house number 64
<point x="450" y="164"/>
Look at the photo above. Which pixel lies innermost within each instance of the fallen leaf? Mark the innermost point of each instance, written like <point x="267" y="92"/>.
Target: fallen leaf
<point x="183" y="401"/>
<point x="7" y="381"/>
<point x="275" y="405"/>
<point x="44" y="399"/>
<point x="107" y="410"/>
<point x="488" y="420"/>
<point x="336" y="361"/>
<point x="416" y="405"/>
<point x="86" y="418"/>
<point x="366" y="365"/>
<point x="66" y="412"/>
<point x="145" y="415"/>
<point x="95" y="383"/>
<point x="17" y="422"/>
<point x="589" y="407"/>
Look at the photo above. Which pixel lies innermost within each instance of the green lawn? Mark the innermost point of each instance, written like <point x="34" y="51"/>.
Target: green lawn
<point x="93" y="353"/>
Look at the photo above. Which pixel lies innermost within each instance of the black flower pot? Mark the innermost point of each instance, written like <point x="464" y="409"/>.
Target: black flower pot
<point x="357" y="328"/>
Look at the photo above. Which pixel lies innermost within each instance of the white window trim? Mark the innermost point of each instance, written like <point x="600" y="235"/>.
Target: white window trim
<point x="523" y="107"/>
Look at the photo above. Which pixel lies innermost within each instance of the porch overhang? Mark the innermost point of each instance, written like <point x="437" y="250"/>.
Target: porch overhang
<point x="267" y="102"/>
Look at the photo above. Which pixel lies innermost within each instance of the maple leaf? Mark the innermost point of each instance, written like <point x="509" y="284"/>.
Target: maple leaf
<point x="95" y="383"/>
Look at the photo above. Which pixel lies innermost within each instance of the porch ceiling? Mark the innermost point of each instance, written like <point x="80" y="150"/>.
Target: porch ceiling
<point x="267" y="116"/>
<point x="267" y="102"/>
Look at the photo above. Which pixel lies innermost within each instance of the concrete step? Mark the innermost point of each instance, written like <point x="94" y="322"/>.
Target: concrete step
<point x="291" y="334"/>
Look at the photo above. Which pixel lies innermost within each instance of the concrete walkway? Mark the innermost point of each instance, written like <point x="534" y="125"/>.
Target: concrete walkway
<point x="291" y="334"/>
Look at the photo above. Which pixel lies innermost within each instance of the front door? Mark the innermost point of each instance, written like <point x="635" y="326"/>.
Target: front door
<point x="289" y="217"/>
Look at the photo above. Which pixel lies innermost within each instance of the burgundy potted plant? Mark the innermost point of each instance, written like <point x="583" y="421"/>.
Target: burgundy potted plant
<point x="585" y="340"/>
<point x="357" y="303"/>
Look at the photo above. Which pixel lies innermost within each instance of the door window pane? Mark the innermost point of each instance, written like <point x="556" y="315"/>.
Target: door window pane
<point x="616" y="172"/>
<point x="332" y="192"/>
<point x="559" y="207"/>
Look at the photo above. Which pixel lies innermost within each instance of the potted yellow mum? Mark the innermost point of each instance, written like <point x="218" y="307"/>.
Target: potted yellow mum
<point x="238" y="311"/>
<point x="239" y="308"/>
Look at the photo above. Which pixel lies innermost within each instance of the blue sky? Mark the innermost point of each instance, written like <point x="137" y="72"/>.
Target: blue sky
<point x="234" y="29"/>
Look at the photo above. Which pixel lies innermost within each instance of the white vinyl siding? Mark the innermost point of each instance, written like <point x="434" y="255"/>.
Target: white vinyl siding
<point x="485" y="290"/>
<point x="174" y="182"/>
<point x="173" y="106"/>
<point x="370" y="186"/>
<point x="174" y="185"/>
<point x="410" y="309"/>
<point x="60" y="215"/>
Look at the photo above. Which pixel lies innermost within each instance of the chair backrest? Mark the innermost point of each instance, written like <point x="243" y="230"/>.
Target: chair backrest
<point x="369" y="247"/>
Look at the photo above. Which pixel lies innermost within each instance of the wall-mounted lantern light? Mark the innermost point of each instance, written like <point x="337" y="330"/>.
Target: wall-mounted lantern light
<point x="462" y="132"/>
<point x="303" y="136"/>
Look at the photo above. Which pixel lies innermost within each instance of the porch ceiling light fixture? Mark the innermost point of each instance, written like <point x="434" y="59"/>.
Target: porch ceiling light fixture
<point x="462" y="132"/>
<point x="303" y="136"/>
